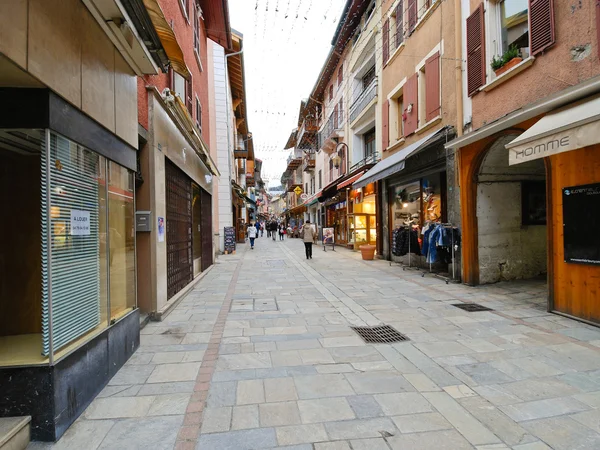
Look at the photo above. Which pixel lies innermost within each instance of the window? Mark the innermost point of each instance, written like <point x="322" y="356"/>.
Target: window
<point x="510" y="30"/>
<point x="331" y="92"/>
<point x="369" y="142"/>
<point x="320" y="179"/>
<point x="185" y="7"/>
<point x="335" y="117"/>
<point x="514" y="26"/>
<point x="386" y="41"/>
<point x="178" y="85"/>
<point x="399" y="23"/>
<point x="340" y="75"/>
<point x="369" y="12"/>
<point x="198" y="114"/>
<point x="306" y="187"/>
<point x="340" y="108"/>
<point x="368" y="77"/>
<point x="330" y="170"/>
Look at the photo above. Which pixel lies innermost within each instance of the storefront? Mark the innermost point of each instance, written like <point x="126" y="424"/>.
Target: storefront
<point x="362" y="219"/>
<point x="337" y="217"/>
<point x="179" y="244"/>
<point x="68" y="317"/>
<point x="414" y="197"/>
<point x="537" y="194"/>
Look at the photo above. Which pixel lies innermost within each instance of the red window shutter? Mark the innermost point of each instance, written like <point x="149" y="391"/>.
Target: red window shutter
<point x="598" y="24"/>
<point x="386" y="40"/>
<point x="541" y="25"/>
<point x="411" y="90"/>
<point x="399" y="23"/>
<point x="331" y="92"/>
<point x="432" y="87"/>
<point x="412" y="15"/>
<point x="475" y="51"/>
<point x="385" y="128"/>
<point x="340" y="75"/>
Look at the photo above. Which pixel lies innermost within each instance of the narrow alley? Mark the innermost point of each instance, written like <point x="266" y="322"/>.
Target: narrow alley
<point x="260" y="355"/>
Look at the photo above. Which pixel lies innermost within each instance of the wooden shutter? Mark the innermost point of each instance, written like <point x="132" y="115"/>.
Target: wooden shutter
<point x="541" y="25"/>
<point x="475" y="51"/>
<point x="385" y="128"/>
<point x="399" y="23"/>
<point x="189" y="96"/>
<point x="340" y="74"/>
<point x="432" y="87"/>
<point x="411" y="96"/>
<point x="386" y="40"/>
<point x="412" y="15"/>
<point x="598" y="24"/>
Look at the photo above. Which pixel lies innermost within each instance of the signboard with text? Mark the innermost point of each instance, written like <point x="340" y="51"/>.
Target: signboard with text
<point x="80" y="223"/>
<point x="581" y="216"/>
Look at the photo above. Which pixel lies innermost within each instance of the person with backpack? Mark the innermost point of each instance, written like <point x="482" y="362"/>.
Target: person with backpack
<point x="309" y="236"/>
<point x="252" y="232"/>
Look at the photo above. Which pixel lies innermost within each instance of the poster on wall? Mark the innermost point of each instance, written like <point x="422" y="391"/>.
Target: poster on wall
<point x="581" y="216"/>
<point x="161" y="229"/>
<point x="80" y="223"/>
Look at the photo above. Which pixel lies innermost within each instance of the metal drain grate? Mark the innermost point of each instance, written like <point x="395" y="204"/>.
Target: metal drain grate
<point x="472" y="307"/>
<point x="380" y="334"/>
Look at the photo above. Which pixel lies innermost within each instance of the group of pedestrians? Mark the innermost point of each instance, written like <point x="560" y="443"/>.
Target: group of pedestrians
<point x="308" y="233"/>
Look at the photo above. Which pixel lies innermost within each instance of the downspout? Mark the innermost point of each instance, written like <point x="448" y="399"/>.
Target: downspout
<point x="228" y="108"/>
<point x="459" y="62"/>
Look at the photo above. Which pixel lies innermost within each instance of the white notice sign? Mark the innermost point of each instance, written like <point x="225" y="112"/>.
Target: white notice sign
<point x="80" y="223"/>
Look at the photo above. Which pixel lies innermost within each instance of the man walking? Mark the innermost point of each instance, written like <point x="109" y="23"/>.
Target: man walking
<point x="252" y="235"/>
<point x="309" y="236"/>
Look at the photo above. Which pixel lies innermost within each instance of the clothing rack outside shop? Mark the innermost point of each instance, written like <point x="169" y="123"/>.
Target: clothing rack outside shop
<point x="410" y="228"/>
<point x="453" y="247"/>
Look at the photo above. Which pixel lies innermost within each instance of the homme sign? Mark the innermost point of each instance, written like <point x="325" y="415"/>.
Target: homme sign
<point x="570" y="128"/>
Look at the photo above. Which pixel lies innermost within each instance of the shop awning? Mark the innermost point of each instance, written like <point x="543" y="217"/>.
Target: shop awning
<point x="572" y="127"/>
<point x="167" y="38"/>
<point x="350" y="180"/>
<point x="396" y="162"/>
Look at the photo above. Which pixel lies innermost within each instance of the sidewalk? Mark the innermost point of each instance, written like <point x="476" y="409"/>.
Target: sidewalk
<point x="260" y="355"/>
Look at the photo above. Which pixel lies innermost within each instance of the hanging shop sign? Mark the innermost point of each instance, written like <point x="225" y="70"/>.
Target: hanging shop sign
<point x="581" y="216"/>
<point x="303" y="196"/>
<point x="298" y="190"/>
<point x="80" y="223"/>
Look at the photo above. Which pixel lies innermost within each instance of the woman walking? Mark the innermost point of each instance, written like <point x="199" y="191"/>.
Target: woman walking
<point x="309" y="236"/>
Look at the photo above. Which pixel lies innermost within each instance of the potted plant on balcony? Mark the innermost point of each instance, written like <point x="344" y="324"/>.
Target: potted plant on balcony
<point x="507" y="61"/>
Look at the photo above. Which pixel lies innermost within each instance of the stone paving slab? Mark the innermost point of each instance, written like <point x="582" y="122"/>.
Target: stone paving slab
<point x="259" y="355"/>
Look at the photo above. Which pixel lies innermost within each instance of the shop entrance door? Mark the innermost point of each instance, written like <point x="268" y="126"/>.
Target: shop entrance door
<point x="206" y="226"/>
<point x="180" y="263"/>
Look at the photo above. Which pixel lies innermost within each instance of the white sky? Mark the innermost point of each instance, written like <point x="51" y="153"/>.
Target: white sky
<point x="283" y="57"/>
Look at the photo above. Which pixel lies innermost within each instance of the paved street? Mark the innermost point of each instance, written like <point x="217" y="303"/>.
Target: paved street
<point x="260" y="355"/>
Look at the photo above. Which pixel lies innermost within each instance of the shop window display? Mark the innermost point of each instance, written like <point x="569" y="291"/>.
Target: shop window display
<point x="80" y="273"/>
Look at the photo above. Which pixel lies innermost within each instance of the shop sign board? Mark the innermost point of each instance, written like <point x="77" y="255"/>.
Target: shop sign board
<point x="80" y="223"/>
<point x="328" y="236"/>
<point x="298" y="190"/>
<point x="581" y="216"/>
<point x="229" y="233"/>
<point x="303" y="196"/>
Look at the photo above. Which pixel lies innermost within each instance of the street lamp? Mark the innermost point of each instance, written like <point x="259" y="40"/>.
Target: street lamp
<point x="337" y="159"/>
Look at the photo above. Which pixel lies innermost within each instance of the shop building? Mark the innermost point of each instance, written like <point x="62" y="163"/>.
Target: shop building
<point x="178" y="173"/>
<point x="530" y="166"/>
<point x="414" y="181"/>
<point x="68" y="159"/>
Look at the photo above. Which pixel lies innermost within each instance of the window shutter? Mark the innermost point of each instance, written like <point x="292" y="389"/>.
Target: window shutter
<point x="411" y="97"/>
<point x="412" y="15"/>
<point x="188" y="96"/>
<point x="432" y="87"/>
<point x="386" y="40"/>
<point x="340" y="74"/>
<point x="385" y="129"/>
<point x="541" y="33"/>
<point x="598" y="24"/>
<point x="399" y="23"/>
<point x="475" y="51"/>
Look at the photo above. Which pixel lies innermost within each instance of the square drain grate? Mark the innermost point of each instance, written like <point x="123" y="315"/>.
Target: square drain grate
<point x="379" y="334"/>
<point x="472" y="307"/>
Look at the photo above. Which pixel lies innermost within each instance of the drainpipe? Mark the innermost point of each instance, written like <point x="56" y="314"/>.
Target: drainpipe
<point x="459" y="61"/>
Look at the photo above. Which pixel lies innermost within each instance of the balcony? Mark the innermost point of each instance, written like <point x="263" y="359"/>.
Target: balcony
<point x="250" y="180"/>
<point x="308" y="163"/>
<point x="368" y="160"/>
<point x="332" y="129"/>
<point x="240" y="153"/>
<point x="367" y="95"/>
<point x="293" y="163"/>
<point x="307" y="133"/>
<point x="291" y="185"/>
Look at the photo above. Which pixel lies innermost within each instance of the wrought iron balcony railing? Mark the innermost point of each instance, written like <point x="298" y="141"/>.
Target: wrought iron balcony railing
<point x="366" y="96"/>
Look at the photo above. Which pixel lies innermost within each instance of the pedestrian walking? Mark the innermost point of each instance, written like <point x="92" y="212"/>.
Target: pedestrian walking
<point x="252" y="235"/>
<point x="281" y="232"/>
<point x="274" y="230"/>
<point x="309" y="236"/>
<point x="262" y="228"/>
